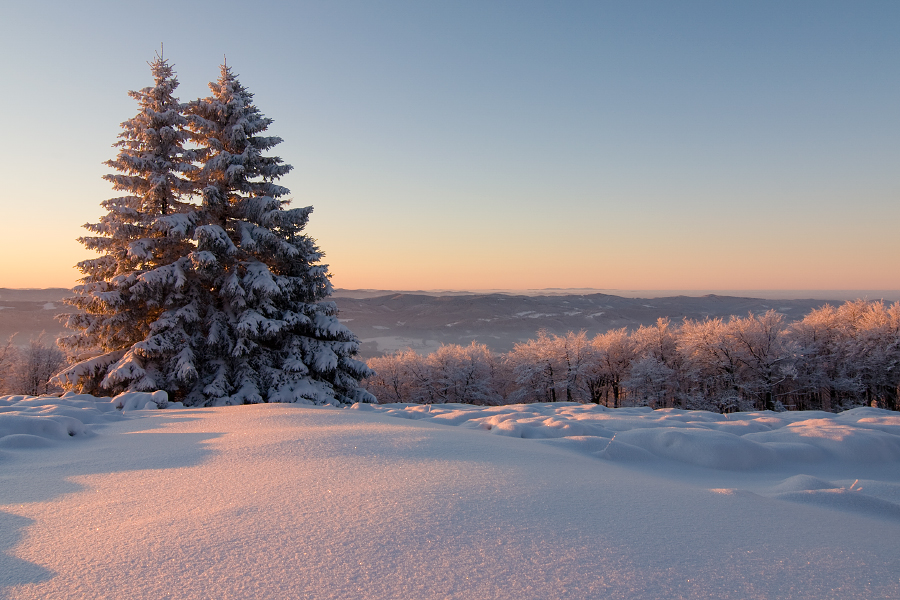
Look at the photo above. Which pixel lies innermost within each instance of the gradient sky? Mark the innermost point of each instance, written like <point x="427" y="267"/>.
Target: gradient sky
<point x="465" y="145"/>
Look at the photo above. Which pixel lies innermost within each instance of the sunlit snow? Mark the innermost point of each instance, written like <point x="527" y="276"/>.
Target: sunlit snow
<point x="117" y="499"/>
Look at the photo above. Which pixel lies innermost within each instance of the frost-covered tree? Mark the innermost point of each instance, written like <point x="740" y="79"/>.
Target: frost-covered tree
<point x="650" y="381"/>
<point x="576" y="360"/>
<point x="659" y="342"/>
<point x="235" y="313"/>
<point x="537" y="370"/>
<point x="36" y="365"/>
<point x="464" y="374"/>
<point x="453" y="373"/>
<point x="713" y="364"/>
<point x="615" y="351"/>
<point x="393" y="380"/>
<point x="825" y="374"/>
<point x="850" y="354"/>
<point x="8" y="356"/>
<point x="876" y="350"/>
<point x="118" y="298"/>
<point x="764" y="354"/>
<point x="29" y="369"/>
<point x="253" y="326"/>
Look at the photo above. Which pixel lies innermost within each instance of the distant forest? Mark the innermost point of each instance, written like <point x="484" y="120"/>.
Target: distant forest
<point x="833" y="359"/>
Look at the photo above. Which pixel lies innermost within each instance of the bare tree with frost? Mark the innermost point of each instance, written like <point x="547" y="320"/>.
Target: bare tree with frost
<point x="8" y="356"/>
<point x="537" y="370"/>
<point x="579" y="359"/>
<point x="614" y="351"/>
<point x="650" y="381"/>
<point x="764" y="354"/>
<point x="393" y="380"/>
<point x="660" y="375"/>
<point x="713" y="364"/>
<point x="35" y="367"/>
<point x="464" y="374"/>
<point x="825" y="374"/>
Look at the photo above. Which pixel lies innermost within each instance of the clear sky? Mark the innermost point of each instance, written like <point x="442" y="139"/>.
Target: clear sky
<point x="453" y="144"/>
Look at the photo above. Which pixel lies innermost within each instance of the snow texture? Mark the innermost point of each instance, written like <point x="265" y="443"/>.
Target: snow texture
<point x="291" y="501"/>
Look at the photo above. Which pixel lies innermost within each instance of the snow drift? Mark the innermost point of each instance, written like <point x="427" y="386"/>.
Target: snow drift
<point x="720" y="441"/>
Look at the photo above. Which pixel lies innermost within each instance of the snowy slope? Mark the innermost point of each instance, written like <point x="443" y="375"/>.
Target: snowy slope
<point x="285" y="501"/>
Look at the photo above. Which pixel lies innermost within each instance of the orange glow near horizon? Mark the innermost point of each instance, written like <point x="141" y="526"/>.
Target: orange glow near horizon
<point x="52" y="265"/>
<point x="404" y="265"/>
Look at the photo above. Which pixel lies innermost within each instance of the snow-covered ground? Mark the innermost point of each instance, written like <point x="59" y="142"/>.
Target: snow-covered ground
<point x="289" y="501"/>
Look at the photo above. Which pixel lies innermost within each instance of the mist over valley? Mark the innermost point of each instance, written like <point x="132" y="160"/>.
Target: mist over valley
<point x="386" y="321"/>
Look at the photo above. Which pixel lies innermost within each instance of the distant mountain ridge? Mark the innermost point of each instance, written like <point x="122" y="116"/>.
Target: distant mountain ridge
<point x="386" y="322"/>
<point x="805" y="294"/>
<point x="424" y="322"/>
<point x="33" y="294"/>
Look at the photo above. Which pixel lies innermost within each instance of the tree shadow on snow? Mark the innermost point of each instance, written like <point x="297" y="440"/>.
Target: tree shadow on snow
<point x="15" y="571"/>
<point x="32" y="475"/>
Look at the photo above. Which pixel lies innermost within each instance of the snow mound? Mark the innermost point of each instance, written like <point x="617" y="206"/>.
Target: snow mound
<point x="18" y="441"/>
<point x="39" y="421"/>
<point x="803" y="483"/>
<point x="736" y="442"/>
<point x="141" y="400"/>
<point x="700" y="446"/>
<point x="846" y="500"/>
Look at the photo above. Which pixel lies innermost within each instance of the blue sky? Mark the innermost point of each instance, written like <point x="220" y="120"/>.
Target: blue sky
<point x="645" y="145"/>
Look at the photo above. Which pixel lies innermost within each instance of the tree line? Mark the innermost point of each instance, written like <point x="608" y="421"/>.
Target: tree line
<point x="833" y="359"/>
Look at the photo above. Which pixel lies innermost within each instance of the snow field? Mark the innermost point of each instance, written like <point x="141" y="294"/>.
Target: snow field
<point x="861" y="438"/>
<point x="276" y="501"/>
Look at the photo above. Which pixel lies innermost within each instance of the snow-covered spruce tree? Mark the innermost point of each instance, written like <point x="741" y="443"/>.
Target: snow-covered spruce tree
<point x="219" y="303"/>
<point x="259" y="330"/>
<point x="122" y="292"/>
